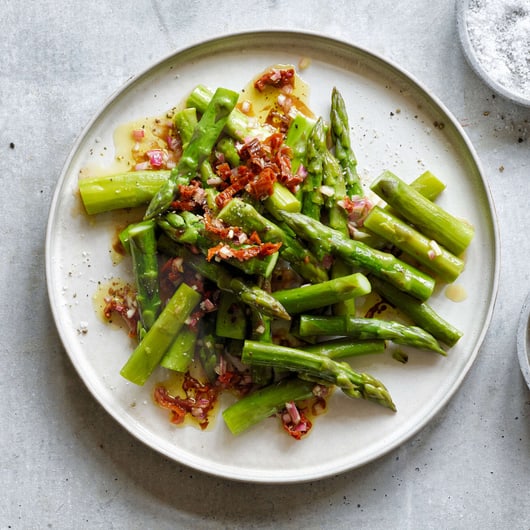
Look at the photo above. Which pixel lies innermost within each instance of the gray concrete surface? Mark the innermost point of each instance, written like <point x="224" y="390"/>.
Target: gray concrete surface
<point x="64" y="462"/>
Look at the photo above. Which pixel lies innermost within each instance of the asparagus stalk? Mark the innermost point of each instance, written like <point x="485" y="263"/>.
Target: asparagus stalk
<point x="429" y="218"/>
<point x="312" y="199"/>
<point x="296" y="138"/>
<point x="240" y="213"/>
<point x="320" y="367"/>
<point x="264" y="403"/>
<point x="343" y="348"/>
<point x="380" y="264"/>
<point x="422" y="314"/>
<point x="307" y="297"/>
<point x="239" y="126"/>
<point x="204" y="137"/>
<point x="227" y="148"/>
<point x="158" y="339"/>
<point x="188" y="228"/>
<point x="368" y="329"/>
<point x="261" y="331"/>
<point x="340" y="133"/>
<point x="334" y="182"/>
<point x="429" y="185"/>
<point x="231" y="321"/>
<point x="427" y="252"/>
<point x="123" y="190"/>
<point x="185" y="121"/>
<point x="143" y="249"/>
<point x="250" y="294"/>
<point x="181" y="352"/>
<point x="207" y="351"/>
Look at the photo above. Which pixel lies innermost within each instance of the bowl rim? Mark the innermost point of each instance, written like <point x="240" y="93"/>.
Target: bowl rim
<point x="462" y="7"/>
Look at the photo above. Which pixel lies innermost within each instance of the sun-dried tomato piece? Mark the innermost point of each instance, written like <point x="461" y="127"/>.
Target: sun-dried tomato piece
<point x="276" y="77"/>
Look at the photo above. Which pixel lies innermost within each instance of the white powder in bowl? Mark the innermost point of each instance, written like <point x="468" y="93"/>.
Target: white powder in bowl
<point x="499" y="31"/>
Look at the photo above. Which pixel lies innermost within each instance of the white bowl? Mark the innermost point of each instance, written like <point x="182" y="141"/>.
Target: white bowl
<point x="462" y="14"/>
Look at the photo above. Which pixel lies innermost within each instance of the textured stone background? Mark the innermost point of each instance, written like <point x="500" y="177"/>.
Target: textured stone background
<point x="64" y="462"/>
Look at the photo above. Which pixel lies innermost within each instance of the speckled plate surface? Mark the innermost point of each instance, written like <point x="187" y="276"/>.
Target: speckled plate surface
<point x="396" y="125"/>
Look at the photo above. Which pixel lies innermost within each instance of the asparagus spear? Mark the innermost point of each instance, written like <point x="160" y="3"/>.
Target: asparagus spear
<point x="429" y="218"/>
<point x="250" y="294"/>
<point x="123" y="190"/>
<point x="320" y="367"/>
<point x="240" y="213"/>
<point x="340" y="133"/>
<point x="422" y="314"/>
<point x="185" y="121"/>
<point x="307" y="297"/>
<point x="312" y="199"/>
<point x="159" y="338"/>
<point x="200" y="146"/>
<point x="227" y="148"/>
<point x="180" y="354"/>
<point x="261" y="331"/>
<point x="427" y="252"/>
<point x="264" y="403"/>
<point x="231" y="321"/>
<point x="143" y="249"/>
<point x="368" y="329"/>
<point x="343" y="348"/>
<point x="429" y="185"/>
<point x="207" y="351"/>
<point x="239" y="126"/>
<point x="296" y="138"/>
<point x="188" y="228"/>
<point x="355" y="253"/>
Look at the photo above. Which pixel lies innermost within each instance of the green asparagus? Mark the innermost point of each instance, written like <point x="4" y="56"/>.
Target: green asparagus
<point x="343" y="348"/>
<point x="122" y="190"/>
<point x="250" y="294"/>
<point x="340" y="133"/>
<point x="421" y="313"/>
<point x="147" y="355"/>
<point x="204" y="137"/>
<point x="265" y="402"/>
<point x="320" y="367"/>
<point x="243" y="214"/>
<point x="182" y="350"/>
<point x="312" y="199"/>
<point x="368" y="329"/>
<point x="426" y="251"/>
<point x="429" y="218"/>
<point x="188" y="228"/>
<point x="307" y="297"/>
<point x="355" y="253"/>
<point x="143" y="249"/>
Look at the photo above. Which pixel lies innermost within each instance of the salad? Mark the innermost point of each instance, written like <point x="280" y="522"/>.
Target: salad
<point x="257" y="248"/>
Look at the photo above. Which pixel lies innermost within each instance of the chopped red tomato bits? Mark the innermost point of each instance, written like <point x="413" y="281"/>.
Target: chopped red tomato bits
<point x="275" y="77"/>
<point x="199" y="400"/>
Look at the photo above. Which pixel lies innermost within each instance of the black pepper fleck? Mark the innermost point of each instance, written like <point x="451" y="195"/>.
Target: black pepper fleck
<point x="11" y="145"/>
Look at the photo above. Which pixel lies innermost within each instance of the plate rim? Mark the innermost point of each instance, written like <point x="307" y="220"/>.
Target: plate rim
<point x="523" y="337"/>
<point x="332" y="41"/>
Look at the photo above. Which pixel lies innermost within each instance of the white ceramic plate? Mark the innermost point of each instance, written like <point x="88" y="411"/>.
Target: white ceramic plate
<point x="396" y="125"/>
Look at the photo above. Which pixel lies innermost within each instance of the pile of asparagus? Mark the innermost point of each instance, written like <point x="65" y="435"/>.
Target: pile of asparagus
<point x="310" y="226"/>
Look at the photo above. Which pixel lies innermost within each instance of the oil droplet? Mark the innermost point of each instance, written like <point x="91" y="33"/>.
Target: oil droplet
<point x="456" y="293"/>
